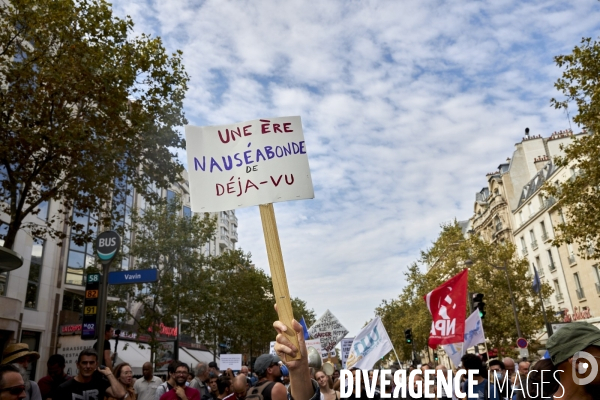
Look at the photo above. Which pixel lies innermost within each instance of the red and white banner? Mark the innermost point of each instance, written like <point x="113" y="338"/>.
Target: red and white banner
<point x="448" y="307"/>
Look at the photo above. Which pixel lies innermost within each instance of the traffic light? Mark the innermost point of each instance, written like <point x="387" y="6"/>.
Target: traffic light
<point x="408" y="335"/>
<point x="478" y="304"/>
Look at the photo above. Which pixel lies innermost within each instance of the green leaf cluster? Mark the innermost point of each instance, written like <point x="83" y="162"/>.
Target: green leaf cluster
<point x="220" y="299"/>
<point x="83" y="103"/>
<point x="579" y="197"/>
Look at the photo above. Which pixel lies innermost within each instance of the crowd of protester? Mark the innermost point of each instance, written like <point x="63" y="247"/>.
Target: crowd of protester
<point x="565" y="374"/>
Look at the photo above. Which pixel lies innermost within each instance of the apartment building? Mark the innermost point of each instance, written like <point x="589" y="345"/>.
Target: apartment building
<point x="513" y="207"/>
<point x="42" y="301"/>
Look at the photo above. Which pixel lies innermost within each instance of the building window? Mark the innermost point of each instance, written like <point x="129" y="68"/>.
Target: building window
<point x="597" y="275"/>
<point x="539" y="267"/>
<point x="498" y="222"/>
<point x="80" y="257"/>
<point x="578" y="288"/>
<point x="35" y="273"/>
<point x="72" y="302"/>
<point x="533" y="240"/>
<point x="521" y="217"/>
<point x="530" y="208"/>
<point x="551" y="264"/>
<point x="187" y="212"/>
<point x="559" y="296"/>
<point x="544" y="232"/>
<point x="561" y="216"/>
<point x="523" y="246"/>
<point x="170" y="196"/>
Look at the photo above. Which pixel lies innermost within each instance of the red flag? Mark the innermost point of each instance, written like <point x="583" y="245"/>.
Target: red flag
<point x="448" y="304"/>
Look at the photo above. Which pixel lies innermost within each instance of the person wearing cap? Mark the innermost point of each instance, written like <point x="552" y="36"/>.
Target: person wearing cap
<point x="574" y="353"/>
<point x="269" y="374"/>
<point x="19" y="355"/>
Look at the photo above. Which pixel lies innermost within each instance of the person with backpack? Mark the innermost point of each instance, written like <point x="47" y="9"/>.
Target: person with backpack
<point x="269" y="386"/>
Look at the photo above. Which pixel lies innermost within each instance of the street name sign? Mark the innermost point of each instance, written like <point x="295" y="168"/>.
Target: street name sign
<point x="133" y="276"/>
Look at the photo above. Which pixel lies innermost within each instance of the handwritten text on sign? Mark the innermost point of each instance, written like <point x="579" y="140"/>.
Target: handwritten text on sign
<point x="248" y="163"/>
<point x="329" y="330"/>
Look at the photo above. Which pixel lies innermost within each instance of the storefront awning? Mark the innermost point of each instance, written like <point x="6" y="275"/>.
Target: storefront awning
<point x="200" y="355"/>
<point x="131" y="353"/>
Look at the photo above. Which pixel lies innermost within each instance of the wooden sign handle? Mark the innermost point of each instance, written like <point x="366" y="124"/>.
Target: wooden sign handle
<point x="280" y="286"/>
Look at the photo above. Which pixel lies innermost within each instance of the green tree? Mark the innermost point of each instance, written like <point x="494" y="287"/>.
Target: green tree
<point x="169" y="243"/>
<point x="580" y="196"/>
<point x="449" y="255"/>
<point x="83" y="103"/>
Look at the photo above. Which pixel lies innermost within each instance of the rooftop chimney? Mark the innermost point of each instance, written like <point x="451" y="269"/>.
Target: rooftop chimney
<point x="526" y="131"/>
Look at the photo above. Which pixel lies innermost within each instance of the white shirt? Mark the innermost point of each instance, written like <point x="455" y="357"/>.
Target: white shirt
<point x="146" y="389"/>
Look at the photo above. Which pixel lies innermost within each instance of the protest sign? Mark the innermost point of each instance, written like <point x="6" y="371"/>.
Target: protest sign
<point x="233" y="361"/>
<point x="257" y="162"/>
<point x="272" y="348"/>
<point x="247" y="163"/>
<point x="329" y="330"/>
<point x="346" y="346"/>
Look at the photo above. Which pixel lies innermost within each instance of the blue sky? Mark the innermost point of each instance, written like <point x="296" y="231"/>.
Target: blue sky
<point x="406" y="105"/>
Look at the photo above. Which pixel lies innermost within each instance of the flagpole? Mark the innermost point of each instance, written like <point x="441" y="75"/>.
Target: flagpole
<point x="539" y="292"/>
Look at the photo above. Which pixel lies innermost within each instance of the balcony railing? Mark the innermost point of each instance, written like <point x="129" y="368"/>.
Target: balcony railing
<point x="524" y="251"/>
<point x="580" y="293"/>
<point x="572" y="259"/>
<point x="534" y="244"/>
<point x="540" y="272"/>
<point x="559" y="298"/>
<point x="551" y="267"/>
<point x="545" y="237"/>
<point x="549" y="201"/>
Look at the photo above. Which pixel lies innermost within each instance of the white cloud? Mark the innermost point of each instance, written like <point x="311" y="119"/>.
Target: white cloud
<point x="406" y="106"/>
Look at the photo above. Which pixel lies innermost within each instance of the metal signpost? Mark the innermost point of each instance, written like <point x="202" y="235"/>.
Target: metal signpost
<point x="108" y="244"/>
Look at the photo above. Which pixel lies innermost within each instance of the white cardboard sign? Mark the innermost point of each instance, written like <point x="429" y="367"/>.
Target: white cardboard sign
<point x="248" y="163"/>
<point x="233" y="361"/>
<point x="329" y="330"/>
<point x="346" y="346"/>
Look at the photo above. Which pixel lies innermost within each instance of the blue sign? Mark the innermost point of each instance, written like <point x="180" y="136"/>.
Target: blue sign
<point x="133" y="276"/>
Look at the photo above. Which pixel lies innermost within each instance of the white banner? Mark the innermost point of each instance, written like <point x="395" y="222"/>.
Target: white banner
<point x="454" y="351"/>
<point x="369" y="346"/>
<point x="233" y="361"/>
<point x="247" y="163"/>
<point x="473" y="331"/>
<point x="329" y="330"/>
<point x="346" y="346"/>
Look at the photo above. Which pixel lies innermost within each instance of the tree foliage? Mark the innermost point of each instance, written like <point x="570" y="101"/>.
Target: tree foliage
<point x="222" y="300"/>
<point x="579" y="197"/>
<point x="82" y="103"/>
<point x="447" y="257"/>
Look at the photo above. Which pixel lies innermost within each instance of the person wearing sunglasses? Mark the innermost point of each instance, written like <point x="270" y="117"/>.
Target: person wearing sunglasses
<point x="12" y="386"/>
